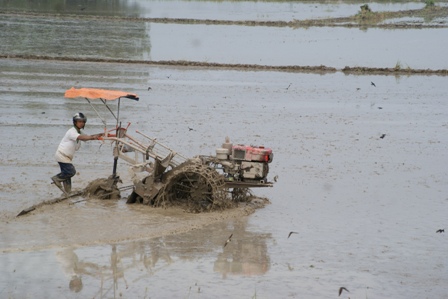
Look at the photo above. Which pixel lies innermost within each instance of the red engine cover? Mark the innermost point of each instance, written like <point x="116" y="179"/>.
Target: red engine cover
<point x="251" y="153"/>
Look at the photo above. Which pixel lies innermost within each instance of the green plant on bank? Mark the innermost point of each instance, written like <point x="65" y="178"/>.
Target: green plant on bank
<point x="365" y="12"/>
<point x="367" y="15"/>
<point x="398" y="66"/>
<point x="430" y="3"/>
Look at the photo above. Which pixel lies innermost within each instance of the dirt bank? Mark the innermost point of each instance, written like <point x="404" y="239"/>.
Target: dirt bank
<point x="249" y="67"/>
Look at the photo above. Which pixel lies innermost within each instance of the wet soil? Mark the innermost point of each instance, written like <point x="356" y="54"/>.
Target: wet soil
<point x="80" y="221"/>
<point x="250" y="67"/>
<point x="364" y="206"/>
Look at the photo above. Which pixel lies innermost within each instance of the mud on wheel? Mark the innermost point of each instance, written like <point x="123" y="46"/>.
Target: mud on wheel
<point x="241" y="195"/>
<point x="196" y="187"/>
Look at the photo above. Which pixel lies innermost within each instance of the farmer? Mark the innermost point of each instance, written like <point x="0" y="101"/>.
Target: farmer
<point x="66" y="150"/>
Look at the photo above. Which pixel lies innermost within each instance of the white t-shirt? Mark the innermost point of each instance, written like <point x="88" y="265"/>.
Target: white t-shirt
<point x="69" y="144"/>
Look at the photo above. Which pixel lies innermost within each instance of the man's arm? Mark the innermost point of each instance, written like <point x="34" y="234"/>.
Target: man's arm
<point x="83" y="137"/>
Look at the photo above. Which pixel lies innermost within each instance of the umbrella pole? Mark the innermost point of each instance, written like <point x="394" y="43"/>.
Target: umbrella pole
<point x="102" y="120"/>
<point x="117" y="132"/>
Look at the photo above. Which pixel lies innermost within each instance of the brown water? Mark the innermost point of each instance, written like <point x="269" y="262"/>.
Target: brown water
<point x="366" y="208"/>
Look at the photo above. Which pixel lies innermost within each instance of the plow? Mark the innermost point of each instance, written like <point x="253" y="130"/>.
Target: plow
<point x="163" y="177"/>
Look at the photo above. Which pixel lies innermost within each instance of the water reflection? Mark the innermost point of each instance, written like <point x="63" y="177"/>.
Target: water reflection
<point x="69" y="264"/>
<point x="97" y="7"/>
<point x="110" y="271"/>
<point x="77" y="37"/>
<point x="110" y="275"/>
<point x="246" y="256"/>
<point x="250" y="258"/>
<point x="210" y="9"/>
<point x="74" y="38"/>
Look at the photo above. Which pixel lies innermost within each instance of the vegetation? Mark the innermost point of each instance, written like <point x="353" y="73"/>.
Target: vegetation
<point x="429" y="3"/>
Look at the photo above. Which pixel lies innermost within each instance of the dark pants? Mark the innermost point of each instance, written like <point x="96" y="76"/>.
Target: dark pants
<point x="67" y="171"/>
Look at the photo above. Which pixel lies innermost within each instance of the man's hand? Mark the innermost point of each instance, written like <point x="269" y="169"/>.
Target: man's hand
<point x="97" y="136"/>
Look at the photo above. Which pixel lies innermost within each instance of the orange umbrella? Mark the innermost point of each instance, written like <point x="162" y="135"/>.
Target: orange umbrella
<point x="94" y="93"/>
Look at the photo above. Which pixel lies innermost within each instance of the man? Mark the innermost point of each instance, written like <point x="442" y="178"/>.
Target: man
<point x="66" y="150"/>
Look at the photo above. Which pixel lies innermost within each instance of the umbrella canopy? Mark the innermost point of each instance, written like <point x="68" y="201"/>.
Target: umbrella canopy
<point x="94" y="93"/>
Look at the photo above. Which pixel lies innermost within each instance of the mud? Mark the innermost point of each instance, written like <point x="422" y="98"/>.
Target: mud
<point x="90" y="221"/>
<point x="103" y="188"/>
<point x="250" y="67"/>
<point x="364" y="206"/>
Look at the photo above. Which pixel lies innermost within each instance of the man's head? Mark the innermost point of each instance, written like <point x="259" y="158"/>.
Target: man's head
<point x="79" y="120"/>
<point x="75" y="284"/>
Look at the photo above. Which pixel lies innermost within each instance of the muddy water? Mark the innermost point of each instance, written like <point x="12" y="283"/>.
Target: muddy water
<point x="365" y="208"/>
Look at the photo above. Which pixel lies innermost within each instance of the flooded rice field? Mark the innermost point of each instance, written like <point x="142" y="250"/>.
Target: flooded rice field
<point x="211" y="10"/>
<point x="360" y="156"/>
<point x="354" y="40"/>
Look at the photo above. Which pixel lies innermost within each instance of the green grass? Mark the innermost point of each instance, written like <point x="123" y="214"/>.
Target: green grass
<point x="430" y="3"/>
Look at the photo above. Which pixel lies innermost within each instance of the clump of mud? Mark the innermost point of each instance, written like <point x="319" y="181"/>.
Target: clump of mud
<point x="103" y="188"/>
<point x="245" y="197"/>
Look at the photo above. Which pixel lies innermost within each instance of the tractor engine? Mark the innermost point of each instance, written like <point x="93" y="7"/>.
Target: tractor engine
<point x="244" y="162"/>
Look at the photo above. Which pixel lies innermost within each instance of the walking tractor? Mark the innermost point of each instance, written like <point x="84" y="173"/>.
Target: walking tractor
<point x="162" y="176"/>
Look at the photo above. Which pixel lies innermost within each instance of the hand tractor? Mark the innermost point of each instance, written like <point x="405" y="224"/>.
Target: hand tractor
<point x="162" y="176"/>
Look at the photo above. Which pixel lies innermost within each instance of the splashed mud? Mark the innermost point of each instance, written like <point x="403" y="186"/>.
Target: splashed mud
<point x="85" y="222"/>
